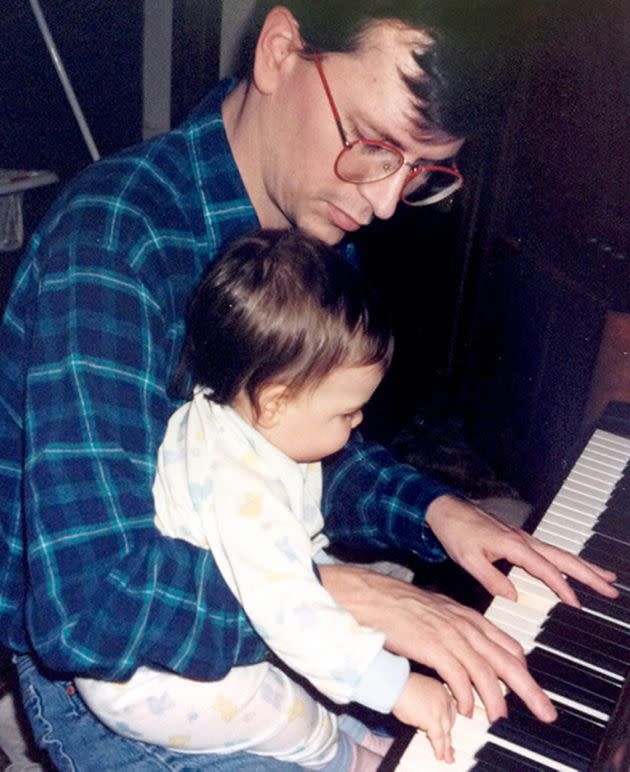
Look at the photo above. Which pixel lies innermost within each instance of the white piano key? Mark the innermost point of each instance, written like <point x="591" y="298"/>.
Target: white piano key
<point x="531" y="591"/>
<point x="595" y="469"/>
<point x="574" y="531"/>
<point x="597" y="456"/>
<point x="564" y="541"/>
<point x="562" y="514"/>
<point x="597" y="485"/>
<point x="524" y="629"/>
<point x="603" y="437"/>
<point x="575" y="502"/>
<point x="503" y="612"/>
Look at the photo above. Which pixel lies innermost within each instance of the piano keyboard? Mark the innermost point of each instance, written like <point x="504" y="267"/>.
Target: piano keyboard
<point x="579" y="657"/>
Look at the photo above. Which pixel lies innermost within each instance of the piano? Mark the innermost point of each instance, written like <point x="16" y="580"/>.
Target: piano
<point x="579" y="656"/>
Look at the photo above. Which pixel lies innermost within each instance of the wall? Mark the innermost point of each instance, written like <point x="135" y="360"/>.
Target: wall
<point x="100" y="44"/>
<point x="235" y="14"/>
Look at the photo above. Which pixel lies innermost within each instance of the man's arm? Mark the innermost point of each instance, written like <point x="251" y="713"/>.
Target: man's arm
<point x="370" y="501"/>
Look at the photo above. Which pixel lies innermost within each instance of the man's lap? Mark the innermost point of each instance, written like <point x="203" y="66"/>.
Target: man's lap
<point x="76" y="741"/>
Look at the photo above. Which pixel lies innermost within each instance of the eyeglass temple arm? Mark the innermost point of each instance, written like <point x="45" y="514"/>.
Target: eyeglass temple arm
<point x="331" y="102"/>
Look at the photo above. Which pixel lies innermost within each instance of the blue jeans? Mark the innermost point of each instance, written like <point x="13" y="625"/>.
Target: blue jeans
<point x="76" y="741"/>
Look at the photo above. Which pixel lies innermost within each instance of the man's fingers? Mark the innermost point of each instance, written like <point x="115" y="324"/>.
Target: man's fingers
<point x="523" y="684"/>
<point x="456" y="676"/>
<point x="552" y="565"/>
<point x="487" y="662"/>
<point x="467" y="658"/>
<point x="599" y="579"/>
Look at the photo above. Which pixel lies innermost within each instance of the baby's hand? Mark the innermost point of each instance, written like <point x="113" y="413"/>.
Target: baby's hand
<point x="426" y="704"/>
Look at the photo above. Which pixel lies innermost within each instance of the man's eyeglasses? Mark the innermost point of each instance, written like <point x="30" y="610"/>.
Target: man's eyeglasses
<point x="370" y="160"/>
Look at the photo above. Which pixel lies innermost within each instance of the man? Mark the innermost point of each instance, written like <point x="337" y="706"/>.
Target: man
<point x="92" y="338"/>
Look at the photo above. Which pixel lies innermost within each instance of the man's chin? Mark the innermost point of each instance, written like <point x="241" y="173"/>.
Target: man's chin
<point x="322" y="229"/>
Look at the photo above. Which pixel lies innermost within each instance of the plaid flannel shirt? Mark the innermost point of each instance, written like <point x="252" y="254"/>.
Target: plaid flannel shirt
<point x="90" y="339"/>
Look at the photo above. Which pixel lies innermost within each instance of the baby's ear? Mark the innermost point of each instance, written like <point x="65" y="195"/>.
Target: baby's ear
<point x="271" y="403"/>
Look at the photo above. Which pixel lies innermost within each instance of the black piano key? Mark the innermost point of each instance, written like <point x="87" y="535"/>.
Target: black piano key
<point x="615" y="609"/>
<point x="623" y="572"/>
<point x="568" y="679"/>
<point x="620" y="497"/>
<point x="584" y="652"/>
<point x="585" y="638"/>
<point x="607" y="551"/>
<point x="495" y="757"/>
<point x="571" y="721"/>
<point x="611" y="528"/>
<point x="526" y="732"/>
<point x="613" y="524"/>
<point x="603" y="555"/>
<point x="583" y="622"/>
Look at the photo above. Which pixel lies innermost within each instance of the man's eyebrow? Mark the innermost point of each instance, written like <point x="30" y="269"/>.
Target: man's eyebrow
<point x="373" y="132"/>
<point x="418" y="134"/>
<point x="386" y="137"/>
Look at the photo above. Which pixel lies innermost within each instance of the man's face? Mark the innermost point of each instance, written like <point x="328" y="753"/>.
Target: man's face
<point x="374" y="103"/>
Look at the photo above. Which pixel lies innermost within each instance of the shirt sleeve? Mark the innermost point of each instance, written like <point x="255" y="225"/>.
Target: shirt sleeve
<point x="371" y="500"/>
<point x="107" y="591"/>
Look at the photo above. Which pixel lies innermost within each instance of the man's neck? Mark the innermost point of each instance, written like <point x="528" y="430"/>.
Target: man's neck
<point x="242" y="118"/>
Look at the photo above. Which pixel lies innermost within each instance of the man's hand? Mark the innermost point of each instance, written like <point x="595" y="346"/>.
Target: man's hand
<point x="458" y="643"/>
<point x="476" y="540"/>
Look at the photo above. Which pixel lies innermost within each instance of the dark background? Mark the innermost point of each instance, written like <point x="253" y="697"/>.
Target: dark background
<point x="500" y="299"/>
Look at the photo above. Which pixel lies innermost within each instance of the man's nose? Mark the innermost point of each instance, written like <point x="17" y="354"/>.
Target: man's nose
<point x="384" y="195"/>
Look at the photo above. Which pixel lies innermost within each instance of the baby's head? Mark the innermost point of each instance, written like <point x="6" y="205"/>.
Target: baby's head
<point x="285" y="331"/>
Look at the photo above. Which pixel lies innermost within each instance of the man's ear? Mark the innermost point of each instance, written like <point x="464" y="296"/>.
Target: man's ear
<point x="279" y="38"/>
<point x="272" y="401"/>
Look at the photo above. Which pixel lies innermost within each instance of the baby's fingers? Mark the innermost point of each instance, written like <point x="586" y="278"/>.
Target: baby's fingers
<point x="440" y="738"/>
<point x="441" y="743"/>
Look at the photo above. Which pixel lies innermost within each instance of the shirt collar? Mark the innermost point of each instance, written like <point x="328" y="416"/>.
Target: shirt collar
<point x="220" y="183"/>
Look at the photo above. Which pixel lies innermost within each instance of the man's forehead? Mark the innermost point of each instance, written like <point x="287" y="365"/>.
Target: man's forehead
<point x="389" y="51"/>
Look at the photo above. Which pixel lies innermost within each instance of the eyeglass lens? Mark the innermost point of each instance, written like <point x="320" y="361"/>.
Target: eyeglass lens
<point x="366" y="161"/>
<point x="430" y="185"/>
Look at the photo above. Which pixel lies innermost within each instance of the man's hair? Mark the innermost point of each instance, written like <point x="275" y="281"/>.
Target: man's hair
<point x="459" y="75"/>
<point x="280" y="307"/>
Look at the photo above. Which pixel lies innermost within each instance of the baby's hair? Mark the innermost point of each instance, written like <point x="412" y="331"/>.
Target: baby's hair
<point x="280" y="306"/>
